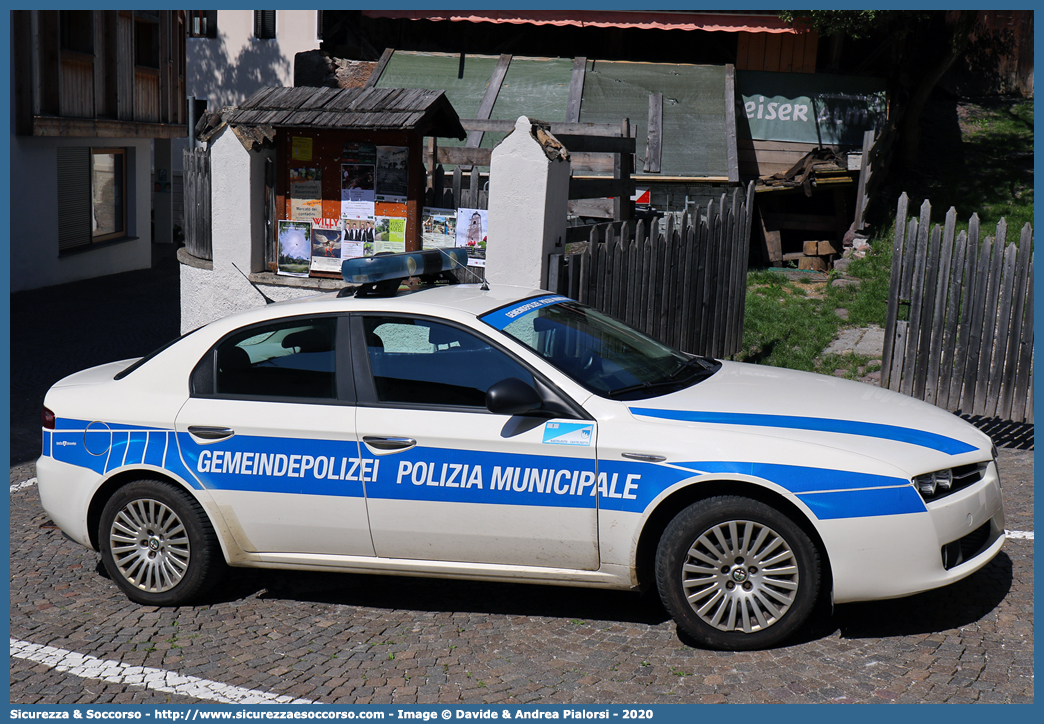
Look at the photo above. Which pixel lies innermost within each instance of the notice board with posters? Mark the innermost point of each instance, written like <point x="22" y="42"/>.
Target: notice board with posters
<point x="357" y="191"/>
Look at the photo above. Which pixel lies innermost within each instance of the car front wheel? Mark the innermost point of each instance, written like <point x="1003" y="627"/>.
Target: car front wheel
<point x="737" y="574"/>
<point x="158" y="545"/>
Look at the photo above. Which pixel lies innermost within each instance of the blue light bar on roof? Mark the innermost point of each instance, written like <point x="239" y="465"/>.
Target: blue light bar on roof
<point x="372" y="269"/>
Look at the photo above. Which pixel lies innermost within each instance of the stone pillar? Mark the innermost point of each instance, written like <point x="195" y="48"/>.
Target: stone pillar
<point x="238" y="236"/>
<point x="528" y="204"/>
<point x="163" y="192"/>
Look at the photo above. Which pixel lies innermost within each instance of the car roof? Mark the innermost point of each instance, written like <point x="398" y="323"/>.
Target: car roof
<point x="471" y="299"/>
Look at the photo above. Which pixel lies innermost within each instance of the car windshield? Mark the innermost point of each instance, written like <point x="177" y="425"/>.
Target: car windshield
<point x="602" y="354"/>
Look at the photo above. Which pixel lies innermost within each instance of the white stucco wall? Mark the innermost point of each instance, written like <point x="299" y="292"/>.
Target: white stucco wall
<point x="228" y="69"/>
<point x="238" y="238"/>
<point x="34" y="215"/>
<point x="528" y="203"/>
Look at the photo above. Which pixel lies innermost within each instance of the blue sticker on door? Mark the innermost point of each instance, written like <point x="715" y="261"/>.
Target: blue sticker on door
<point x="567" y="433"/>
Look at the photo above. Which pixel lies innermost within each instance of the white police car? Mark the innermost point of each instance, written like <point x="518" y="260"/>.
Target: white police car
<point x="509" y="434"/>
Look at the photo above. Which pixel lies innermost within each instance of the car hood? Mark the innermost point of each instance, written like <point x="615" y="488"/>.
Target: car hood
<point x="813" y="408"/>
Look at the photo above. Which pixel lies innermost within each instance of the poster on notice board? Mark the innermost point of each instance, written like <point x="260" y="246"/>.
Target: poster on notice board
<point x="389" y="235"/>
<point x="295" y="247"/>
<point x="306" y="194"/>
<point x="393" y="174"/>
<point x="327" y="236"/>
<point x="438" y="228"/>
<point x="358" y="236"/>
<point x="471" y="234"/>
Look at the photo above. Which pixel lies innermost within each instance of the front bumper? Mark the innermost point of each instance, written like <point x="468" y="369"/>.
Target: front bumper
<point x="881" y="557"/>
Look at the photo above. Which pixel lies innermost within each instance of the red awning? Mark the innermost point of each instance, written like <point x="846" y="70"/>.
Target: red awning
<point x="722" y="22"/>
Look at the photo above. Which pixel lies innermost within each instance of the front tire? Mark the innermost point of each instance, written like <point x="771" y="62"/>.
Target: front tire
<point x="158" y="545"/>
<point x="737" y="574"/>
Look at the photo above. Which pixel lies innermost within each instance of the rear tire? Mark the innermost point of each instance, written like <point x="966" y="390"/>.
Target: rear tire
<point x="158" y="545"/>
<point x="737" y="574"/>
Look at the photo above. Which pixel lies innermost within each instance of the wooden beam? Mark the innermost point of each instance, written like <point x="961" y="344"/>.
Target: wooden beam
<point x="378" y="69"/>
<point x="731" y="154"/>
<point x="165" y="100"/>
<point x="599" y="188"/>
<point x="459" y="156"/>
<point x="49" y="80"/>
<point x="623" y="206"/>
<point x="606" y="130"/>
<point x="86" y="127"/>
<point x="594" y="144"/>
<point x="22" y="59"/>
<point x="655" y="137"/>
<point x="496" y="80"/>
<point x="576" y="90"/>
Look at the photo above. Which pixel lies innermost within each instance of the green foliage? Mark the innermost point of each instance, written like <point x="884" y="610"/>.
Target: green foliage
<point x="784" y="326"/>
<point x="989" y="172"/>
<point x="856" y="23"/>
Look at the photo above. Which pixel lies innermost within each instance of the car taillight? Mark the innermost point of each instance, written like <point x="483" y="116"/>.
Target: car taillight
<point x="48" y="419"/>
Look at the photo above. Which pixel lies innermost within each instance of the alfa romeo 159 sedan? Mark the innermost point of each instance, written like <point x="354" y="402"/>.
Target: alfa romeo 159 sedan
<point x="506" y="434"/>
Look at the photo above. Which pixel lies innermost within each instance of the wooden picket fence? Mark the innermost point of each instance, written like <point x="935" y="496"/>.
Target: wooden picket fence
<point x="682" y="283"/>
<point x="959" y="330"/>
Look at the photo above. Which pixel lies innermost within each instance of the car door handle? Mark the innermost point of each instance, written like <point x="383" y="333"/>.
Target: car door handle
<point x="211" y="433"/>
<point x="389" y="443"/>
<point x="643" y="457"/>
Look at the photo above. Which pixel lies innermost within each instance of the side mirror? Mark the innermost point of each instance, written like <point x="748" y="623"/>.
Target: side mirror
<point x="513" y="397"/>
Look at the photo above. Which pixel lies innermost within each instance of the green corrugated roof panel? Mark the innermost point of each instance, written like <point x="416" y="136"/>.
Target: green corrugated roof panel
<point x="694" y="134"/>
<point x="534" y="87"/>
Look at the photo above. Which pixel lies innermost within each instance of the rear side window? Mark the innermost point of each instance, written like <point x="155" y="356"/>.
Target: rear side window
<point x="423" y="362"/>
<point x="291" y="358"/>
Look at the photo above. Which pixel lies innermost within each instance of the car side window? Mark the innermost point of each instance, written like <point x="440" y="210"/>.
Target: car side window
<point x="290" y="358"/>
<point x="419" y="361"/>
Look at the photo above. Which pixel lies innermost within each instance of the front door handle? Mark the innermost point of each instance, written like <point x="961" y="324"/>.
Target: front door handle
<point x="389" y="444"/>
<point x="207" y="432"/>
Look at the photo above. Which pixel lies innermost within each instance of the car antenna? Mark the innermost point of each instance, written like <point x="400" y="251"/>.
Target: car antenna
<point x="485" y="284"/>
<point x="255" y="286"/>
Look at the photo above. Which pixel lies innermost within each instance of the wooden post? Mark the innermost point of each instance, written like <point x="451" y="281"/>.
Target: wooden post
<point x="652" y="145"/>
<point x="623" y="208"/>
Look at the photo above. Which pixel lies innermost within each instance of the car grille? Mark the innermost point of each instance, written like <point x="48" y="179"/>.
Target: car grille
<point x="966" y="548"/>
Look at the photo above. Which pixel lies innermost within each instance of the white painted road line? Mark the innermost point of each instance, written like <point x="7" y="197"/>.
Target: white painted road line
<point x="1021" y="534"/>
<point x="20" y="486"/>
<point x="114" y="672"/>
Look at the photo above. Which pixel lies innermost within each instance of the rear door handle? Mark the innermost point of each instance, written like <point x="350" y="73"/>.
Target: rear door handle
<point x="389" y="444"/>
<point x="207" y="432"/>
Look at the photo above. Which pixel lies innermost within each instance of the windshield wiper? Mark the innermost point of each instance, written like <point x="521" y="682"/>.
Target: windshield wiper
<point x="699" y="375"/>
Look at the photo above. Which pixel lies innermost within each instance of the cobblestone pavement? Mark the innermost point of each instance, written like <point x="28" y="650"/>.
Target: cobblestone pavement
<point x="351" y="639"/>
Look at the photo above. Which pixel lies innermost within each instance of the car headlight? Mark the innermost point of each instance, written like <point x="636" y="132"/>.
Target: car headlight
<point x="943" y="482"/>
<point x="926" y="484"/>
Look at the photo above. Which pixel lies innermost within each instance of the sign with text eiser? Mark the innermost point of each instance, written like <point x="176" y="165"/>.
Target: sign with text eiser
<point x="808" y="107"/>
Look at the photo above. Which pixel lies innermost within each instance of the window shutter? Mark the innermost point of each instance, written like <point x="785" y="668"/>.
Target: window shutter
<point x="74" y="197"/>
<point x="265" y="24"/>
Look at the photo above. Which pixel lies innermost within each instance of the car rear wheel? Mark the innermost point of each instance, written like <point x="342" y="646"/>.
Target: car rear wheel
<point x="735" y="573"/>
<point x="158" y="545"/>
